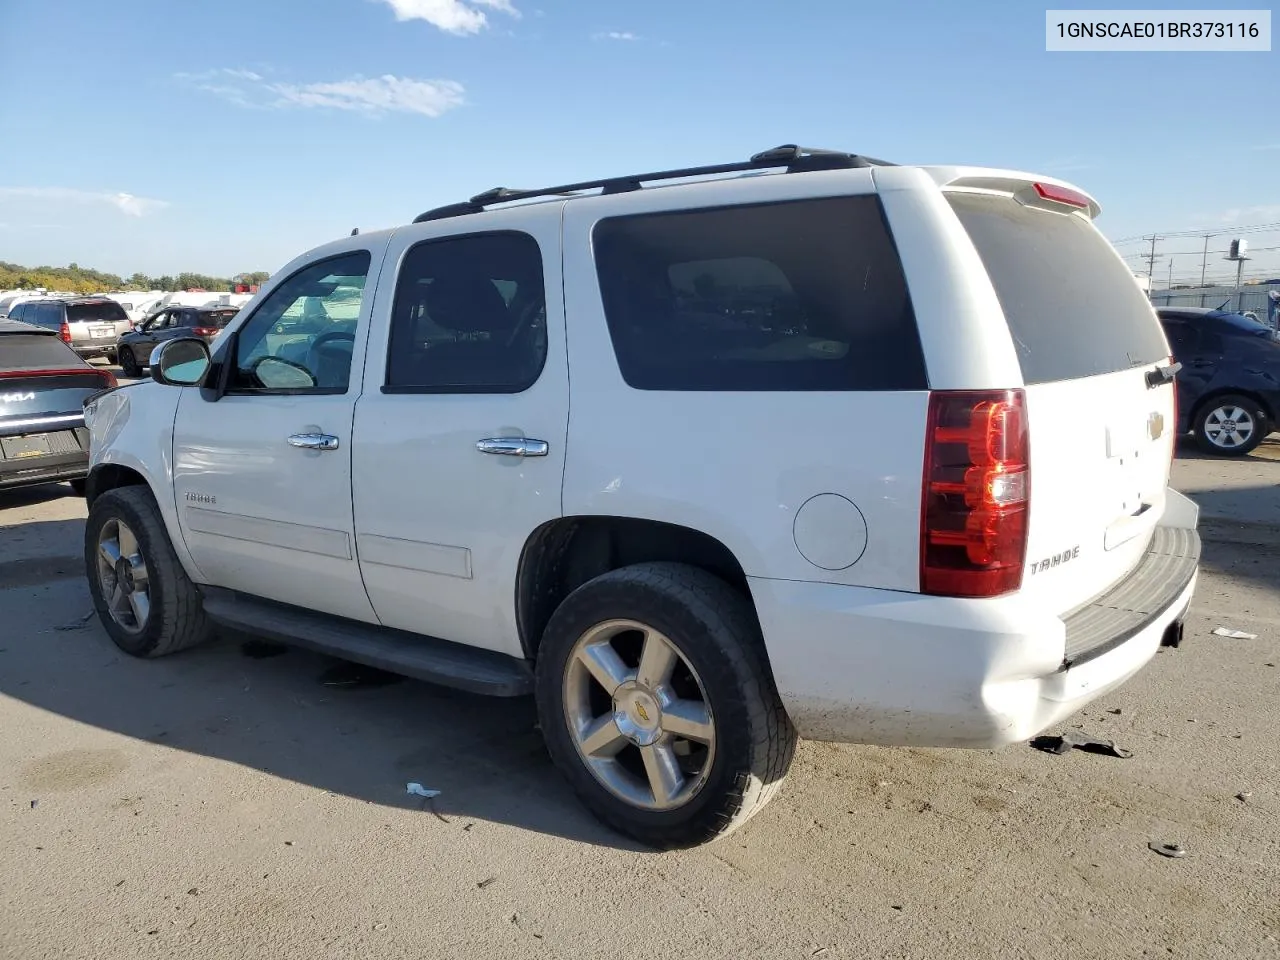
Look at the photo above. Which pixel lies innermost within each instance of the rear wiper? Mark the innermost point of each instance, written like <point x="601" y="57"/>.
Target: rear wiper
<point x="1162" y="375"/>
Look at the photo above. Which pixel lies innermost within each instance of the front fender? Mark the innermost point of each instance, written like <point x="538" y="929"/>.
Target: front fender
<point x="131" y="428"/>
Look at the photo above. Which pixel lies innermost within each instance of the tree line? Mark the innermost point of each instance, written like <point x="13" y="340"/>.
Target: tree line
<point x="77" y="279"/>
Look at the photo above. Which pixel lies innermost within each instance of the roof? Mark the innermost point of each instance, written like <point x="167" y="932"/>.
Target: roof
<point x="1193" y="311"/>
<point x="788" y="157"/>
<point x="17" y="326"/>
<point x="83" y="298"/>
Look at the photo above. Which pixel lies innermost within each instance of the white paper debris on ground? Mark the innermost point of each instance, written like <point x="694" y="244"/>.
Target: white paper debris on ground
<point x="1234" y="634"/>
<point x="418" y="790"/>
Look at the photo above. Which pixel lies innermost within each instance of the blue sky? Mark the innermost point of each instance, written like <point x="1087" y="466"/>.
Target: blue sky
<point x="229" y="136"/>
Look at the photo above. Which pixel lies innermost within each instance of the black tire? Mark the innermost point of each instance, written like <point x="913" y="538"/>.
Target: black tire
<point x="716" y="631"/>
<point x="129" y="363"/>
<point x="1208" y="425"/>
<point x="78" y="486"/>
<point x="176" y="619"/>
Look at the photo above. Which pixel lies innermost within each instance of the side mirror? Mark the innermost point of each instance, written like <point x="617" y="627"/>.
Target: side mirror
<point x="180" y="363"/>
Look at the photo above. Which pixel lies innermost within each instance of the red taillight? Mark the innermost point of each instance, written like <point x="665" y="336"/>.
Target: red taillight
<point x="65" y="332"/>
<point x="204" y="331"/>
<point x="973" y="520"/>
<point x="1072" y="198"/>
<point x="108" y="378"/>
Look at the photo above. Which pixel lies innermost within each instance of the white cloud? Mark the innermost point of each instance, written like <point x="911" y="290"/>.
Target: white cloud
<point x="385" y="94"/>
<point x="451" y="16"/>
<point x="1249" y="215"/>
<point x="126" y="203"/>
<point x="373" y="95"/>
<point x="617" y="35"/>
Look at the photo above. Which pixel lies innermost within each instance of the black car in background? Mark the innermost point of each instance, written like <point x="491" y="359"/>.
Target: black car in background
<point x="204" y="322"/>
<point x="1229" y="385"/>
<point x="43" y="386"/>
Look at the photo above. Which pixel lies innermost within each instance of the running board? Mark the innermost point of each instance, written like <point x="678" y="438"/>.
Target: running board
<point x="396" y="651"/>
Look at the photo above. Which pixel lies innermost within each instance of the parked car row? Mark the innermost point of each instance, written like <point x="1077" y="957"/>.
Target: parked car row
<point x="1229" y="384"/>
<point x="172" y="322"/>
<point x="43" y="386"/>
<point x="92" y="326"/>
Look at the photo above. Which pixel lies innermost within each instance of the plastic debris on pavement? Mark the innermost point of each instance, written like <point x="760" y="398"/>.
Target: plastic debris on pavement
<point x="418" y="790"/>
<point x="1174" y="850"/>
<point x="1234" y="634"/>
<point x="1069" y="741"/>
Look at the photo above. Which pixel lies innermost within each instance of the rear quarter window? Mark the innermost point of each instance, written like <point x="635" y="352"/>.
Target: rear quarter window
<point x="1073" y="308"/>
<point x="795" y="296"/>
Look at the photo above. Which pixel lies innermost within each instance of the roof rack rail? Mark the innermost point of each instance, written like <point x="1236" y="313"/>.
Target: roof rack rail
<point x="796" y="159"/>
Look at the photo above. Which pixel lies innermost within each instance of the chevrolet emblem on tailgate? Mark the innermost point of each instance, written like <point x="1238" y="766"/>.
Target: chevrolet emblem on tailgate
<point x="1155" y="425"/>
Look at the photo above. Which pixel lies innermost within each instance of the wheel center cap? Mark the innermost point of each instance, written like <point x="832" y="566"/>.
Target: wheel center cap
<point x="124" y="575"/>
<point x="1229" y="425"/>
<point x="638" y="714"/>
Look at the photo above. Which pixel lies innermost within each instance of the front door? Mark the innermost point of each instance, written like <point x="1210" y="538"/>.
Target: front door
<point x="262" y="476"/>
<point x="460" y="435"/>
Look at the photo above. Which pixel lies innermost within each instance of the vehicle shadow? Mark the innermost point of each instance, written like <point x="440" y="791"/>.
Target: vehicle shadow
<point x="1267" y="450"/>
<point x="273" y="714"/>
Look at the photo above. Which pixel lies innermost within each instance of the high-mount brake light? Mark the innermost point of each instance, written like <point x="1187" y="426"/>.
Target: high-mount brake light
<point x="1072" y="198"/>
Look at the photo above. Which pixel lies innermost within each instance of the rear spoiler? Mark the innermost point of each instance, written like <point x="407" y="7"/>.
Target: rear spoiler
<point x="1047" y="193"/>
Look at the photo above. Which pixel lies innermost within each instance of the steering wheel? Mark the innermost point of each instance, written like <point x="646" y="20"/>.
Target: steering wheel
<point x="313" y="353"/>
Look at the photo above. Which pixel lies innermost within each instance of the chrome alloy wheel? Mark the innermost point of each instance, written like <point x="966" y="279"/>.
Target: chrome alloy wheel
<point x="1229" y="426"/>
<point x="122" y="575"/>
<point x="639" y="715"/>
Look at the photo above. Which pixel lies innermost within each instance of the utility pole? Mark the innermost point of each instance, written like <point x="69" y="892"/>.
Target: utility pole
<point x="1204" y="260"/>
<point x="1170" y="285"/>
<point x="1151" y="259"/>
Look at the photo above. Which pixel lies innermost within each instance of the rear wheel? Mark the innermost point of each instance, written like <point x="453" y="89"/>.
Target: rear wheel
<point x="658" y="707"/>
<point x="1230" y="426"/>
<point x="128" y="362"/>
<point x="139" y="589"/>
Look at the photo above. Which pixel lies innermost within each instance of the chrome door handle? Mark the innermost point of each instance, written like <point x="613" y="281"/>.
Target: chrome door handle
<point x="513" y="447"/>
<point x="314" y="441"/>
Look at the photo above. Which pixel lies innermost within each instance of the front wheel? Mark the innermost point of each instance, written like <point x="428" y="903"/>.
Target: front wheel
<point x="129" y="363"/>
<point x="657" y="704"/>
<point x="140" y="591"/>
<point x="1230" y="426"/>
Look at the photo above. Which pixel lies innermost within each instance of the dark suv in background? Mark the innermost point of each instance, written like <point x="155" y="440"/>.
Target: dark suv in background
<point x="169" y="324"/>
<point x="1229" y="385"/>
<point x="91" y="326"/>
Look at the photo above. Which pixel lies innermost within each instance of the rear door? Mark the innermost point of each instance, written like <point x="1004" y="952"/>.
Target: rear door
<point x="459" y="440"/>
<point x="1101" y="417"/>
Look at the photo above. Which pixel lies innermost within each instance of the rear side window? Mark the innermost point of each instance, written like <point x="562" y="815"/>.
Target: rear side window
<point x="469" y="316"/>
<point x="803" y="295"/>
<point x="35" y="351"/>
<point x="1073" y="307"/>
<point x="106" y="311"/>
<point x="46" y="314"/>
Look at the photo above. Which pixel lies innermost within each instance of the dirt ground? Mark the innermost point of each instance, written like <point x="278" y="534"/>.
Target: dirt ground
<point x="216" y="805"/>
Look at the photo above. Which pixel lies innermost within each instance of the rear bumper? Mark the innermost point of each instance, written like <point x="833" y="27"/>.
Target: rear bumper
<point x="97" y="348"/>
<point x="874" y="666"/>
<point x="51" y="468"/>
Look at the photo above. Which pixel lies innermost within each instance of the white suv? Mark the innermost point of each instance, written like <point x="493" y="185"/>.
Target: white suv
<point x="703" y="459"/>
